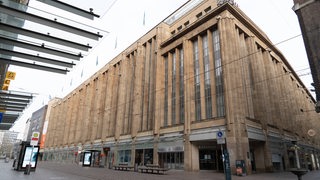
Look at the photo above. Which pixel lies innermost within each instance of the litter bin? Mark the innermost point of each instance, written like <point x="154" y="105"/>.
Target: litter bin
<point x="241" y="168"/>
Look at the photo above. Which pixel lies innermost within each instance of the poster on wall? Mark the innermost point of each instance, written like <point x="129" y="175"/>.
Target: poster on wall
<point x="87" y="159"/>
<point x="30" y="156"/>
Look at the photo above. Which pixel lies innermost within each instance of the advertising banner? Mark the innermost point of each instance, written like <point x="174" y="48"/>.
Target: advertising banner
<point x="30" y="156"/>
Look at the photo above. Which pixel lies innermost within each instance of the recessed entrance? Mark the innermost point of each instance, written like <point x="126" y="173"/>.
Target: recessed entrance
<point x="210" y="158"/>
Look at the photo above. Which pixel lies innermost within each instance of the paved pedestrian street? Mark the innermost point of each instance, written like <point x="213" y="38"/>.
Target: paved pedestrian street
<point x="62" y="171"/>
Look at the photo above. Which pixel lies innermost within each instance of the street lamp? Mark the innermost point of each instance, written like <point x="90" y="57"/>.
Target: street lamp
<point x="295" y="147"/>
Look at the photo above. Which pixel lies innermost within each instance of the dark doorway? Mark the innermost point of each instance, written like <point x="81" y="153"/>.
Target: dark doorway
<point x="207" y="159"/>
<point x="253" y="161"/>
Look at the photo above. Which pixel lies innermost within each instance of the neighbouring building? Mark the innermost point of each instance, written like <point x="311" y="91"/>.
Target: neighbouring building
<point x="26" y="130"/>
<point x="7" y="140"/>
<point x="45" y="123"/>
<point x="309" y="19"/>
<point x="207" y="68"/>
<point x="36" y="121"/>
<point x="36" y="124"/>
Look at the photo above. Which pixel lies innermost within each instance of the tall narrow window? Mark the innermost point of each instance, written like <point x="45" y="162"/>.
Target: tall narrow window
<point x="218" y="74"/>
<point x="181" y="89"/>
<point x="173" y="94"/>
<point x="197" y="80"/>
<point x="165" y="123"/>
<point x="207" y="81"/>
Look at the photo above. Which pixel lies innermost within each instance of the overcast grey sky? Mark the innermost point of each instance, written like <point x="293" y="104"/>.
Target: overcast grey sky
<point x="124" y="22"/>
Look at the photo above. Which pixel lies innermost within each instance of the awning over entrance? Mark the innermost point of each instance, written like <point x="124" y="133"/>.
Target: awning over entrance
<point x="256" y="133"/>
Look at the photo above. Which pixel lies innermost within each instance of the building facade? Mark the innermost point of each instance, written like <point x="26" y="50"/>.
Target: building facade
<point x="207" y="68"/>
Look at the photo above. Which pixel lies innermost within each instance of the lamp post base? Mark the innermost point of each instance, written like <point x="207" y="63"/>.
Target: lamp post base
<point x="299" y="172"/>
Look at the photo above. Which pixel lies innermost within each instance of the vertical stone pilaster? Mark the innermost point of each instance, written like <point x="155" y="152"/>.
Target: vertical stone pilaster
<point x="189" y="83"/>
<point x="95" y="109"/>
<point x="132" y="63"/>
<point x="63" y="124"/>
<point x="152" y="73"/>
<point x="169" y="118"/>
<point x="268" y="157"/>
<point x="74" y="112"/>
<point x="146" y="86"/>
<point x="130" y="98"/>
<point x="177" y="105"/>
<point x="187" y="154"/>
<point x="115" y="122"/>
<point x="71" y="102"/>
<point x="246" y="70"/>
<point x="133" y="154"/>
<point x="101" y="104"/>
<point x="86" y="114"/>
<point x="52" y="126"/>
<point x="80" y="116"/>
<point x="155" y="151"/>
<point x="237" y="138"/>
<point x="188" y="87"/>
<point x="189" y="102"/>
<point x="273" y="109"/>
<point x="121" y="100"/>
<point x="159" y="95"/>
<point x="137" y="94"/>
<point x="250" y="64"/>
<point x="106" y="131"/>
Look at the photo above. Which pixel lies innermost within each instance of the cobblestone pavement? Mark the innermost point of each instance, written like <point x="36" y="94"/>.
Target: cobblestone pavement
<point x="61" y="171"/>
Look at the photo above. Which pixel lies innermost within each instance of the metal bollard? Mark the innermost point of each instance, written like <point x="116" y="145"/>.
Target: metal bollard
<point x="28" y="168"/>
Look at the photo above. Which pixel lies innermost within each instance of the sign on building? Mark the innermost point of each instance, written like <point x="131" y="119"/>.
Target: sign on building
<point x="220" y="138"/>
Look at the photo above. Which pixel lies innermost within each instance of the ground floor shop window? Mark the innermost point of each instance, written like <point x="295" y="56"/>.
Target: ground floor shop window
<point x="124" y="156"/>
<point x="96" y="159"/>
<point x="50" y="156"/>
<point x="63" y="156"/>
<point x="171" y="160"/>
<point x="45" y="156"/>
<point x="144" y="156"/>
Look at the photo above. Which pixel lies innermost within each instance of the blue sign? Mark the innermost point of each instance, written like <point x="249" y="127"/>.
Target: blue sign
<point x="1" y="115"/>
<point x="219" y="134"/>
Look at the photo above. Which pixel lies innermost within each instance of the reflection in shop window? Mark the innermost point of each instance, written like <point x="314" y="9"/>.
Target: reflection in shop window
<point x="171" y="160"/>
<point x="124" y="156"/>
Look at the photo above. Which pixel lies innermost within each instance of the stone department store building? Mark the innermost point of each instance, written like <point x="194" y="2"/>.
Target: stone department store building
<point x="204" y="69"/>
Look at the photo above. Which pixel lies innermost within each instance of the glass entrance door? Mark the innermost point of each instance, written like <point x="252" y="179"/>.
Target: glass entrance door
<point x="210" y="159"/>
<point x="207" y="158"/>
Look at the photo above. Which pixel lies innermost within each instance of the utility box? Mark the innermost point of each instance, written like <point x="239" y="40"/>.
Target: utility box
<point x="241" y="168"/>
